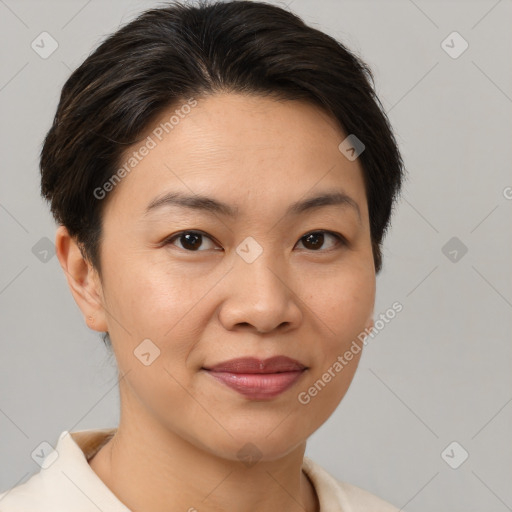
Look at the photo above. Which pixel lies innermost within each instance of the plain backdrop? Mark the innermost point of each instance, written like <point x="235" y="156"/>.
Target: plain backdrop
<point x="438" y="373"/>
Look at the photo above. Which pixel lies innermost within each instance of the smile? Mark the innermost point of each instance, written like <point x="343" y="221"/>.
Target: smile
<point x="258" y="385"/>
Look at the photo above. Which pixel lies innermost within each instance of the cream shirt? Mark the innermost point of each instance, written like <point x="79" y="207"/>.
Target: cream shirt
<point x="66" y="483"/>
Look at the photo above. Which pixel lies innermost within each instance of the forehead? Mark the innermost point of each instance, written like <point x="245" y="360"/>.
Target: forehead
<point x="244" y="150"/>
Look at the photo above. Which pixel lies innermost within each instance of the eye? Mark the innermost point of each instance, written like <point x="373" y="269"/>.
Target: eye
<point x="190" y="240"/>
<point x="315" y="240"/>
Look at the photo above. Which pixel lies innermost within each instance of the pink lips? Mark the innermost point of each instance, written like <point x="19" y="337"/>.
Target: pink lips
<point x="258" y="379"/>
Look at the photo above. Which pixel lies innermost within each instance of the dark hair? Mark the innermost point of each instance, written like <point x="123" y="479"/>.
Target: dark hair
<point x="170" y="53"/>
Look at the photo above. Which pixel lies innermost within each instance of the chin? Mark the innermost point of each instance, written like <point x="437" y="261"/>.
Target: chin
<point x="255" y="444"/>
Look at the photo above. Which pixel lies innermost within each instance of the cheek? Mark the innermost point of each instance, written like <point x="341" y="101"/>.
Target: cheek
<point x="343" y="301"/>
<point x="148" y="292"/>
<point x="147" y="302"/>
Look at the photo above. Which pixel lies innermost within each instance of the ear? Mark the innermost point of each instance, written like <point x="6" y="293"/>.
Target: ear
<point x="83" y="280"/>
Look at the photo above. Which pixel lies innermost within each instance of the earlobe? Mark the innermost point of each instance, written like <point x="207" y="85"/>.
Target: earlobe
<point x="83" y="280"/>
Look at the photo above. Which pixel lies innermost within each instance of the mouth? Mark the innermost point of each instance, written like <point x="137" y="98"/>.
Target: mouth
<point x="258" y="379"/>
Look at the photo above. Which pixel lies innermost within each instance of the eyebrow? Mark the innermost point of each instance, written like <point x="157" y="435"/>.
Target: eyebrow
<point x="214" y="206"/>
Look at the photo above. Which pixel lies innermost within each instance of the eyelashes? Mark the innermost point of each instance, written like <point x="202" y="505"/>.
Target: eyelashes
<point x="192" y="240"/>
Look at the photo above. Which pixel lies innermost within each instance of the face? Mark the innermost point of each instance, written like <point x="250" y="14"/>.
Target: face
<point x="204" y="284"/>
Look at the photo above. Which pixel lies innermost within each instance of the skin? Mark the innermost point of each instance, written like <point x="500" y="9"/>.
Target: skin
<point x="209" y="305"/>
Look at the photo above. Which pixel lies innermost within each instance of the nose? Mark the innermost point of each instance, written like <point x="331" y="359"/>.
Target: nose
<point x="260" y="296"/>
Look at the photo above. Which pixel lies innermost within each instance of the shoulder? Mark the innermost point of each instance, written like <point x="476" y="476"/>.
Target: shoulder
<point x="65" y="481"/>
<point x="22" y="497"/>
<point x="363" y="501"/>
<point x="335" y="495"/>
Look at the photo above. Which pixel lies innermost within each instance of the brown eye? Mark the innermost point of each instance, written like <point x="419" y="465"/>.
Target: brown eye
<point x="315" y="240"/>
<point x="190" y="240"/>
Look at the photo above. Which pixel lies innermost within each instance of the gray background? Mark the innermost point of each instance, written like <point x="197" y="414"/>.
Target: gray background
<point x="439" y="372"/>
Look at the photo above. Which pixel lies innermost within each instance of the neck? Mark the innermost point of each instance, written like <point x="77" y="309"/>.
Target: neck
<point x="164" y="471"/>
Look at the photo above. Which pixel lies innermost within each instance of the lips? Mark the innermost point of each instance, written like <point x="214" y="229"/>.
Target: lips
<point x="258" y="379"/>
<point x="275" y="364"/>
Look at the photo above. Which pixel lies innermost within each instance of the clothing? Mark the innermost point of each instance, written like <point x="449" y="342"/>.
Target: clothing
<point x="69" y="484"/>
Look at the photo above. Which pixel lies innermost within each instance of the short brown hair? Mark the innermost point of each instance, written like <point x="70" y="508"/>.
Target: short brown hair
<point x="171" y="53"/>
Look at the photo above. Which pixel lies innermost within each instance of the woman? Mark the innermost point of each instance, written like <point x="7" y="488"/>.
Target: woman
<point x="223" y="176"/>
